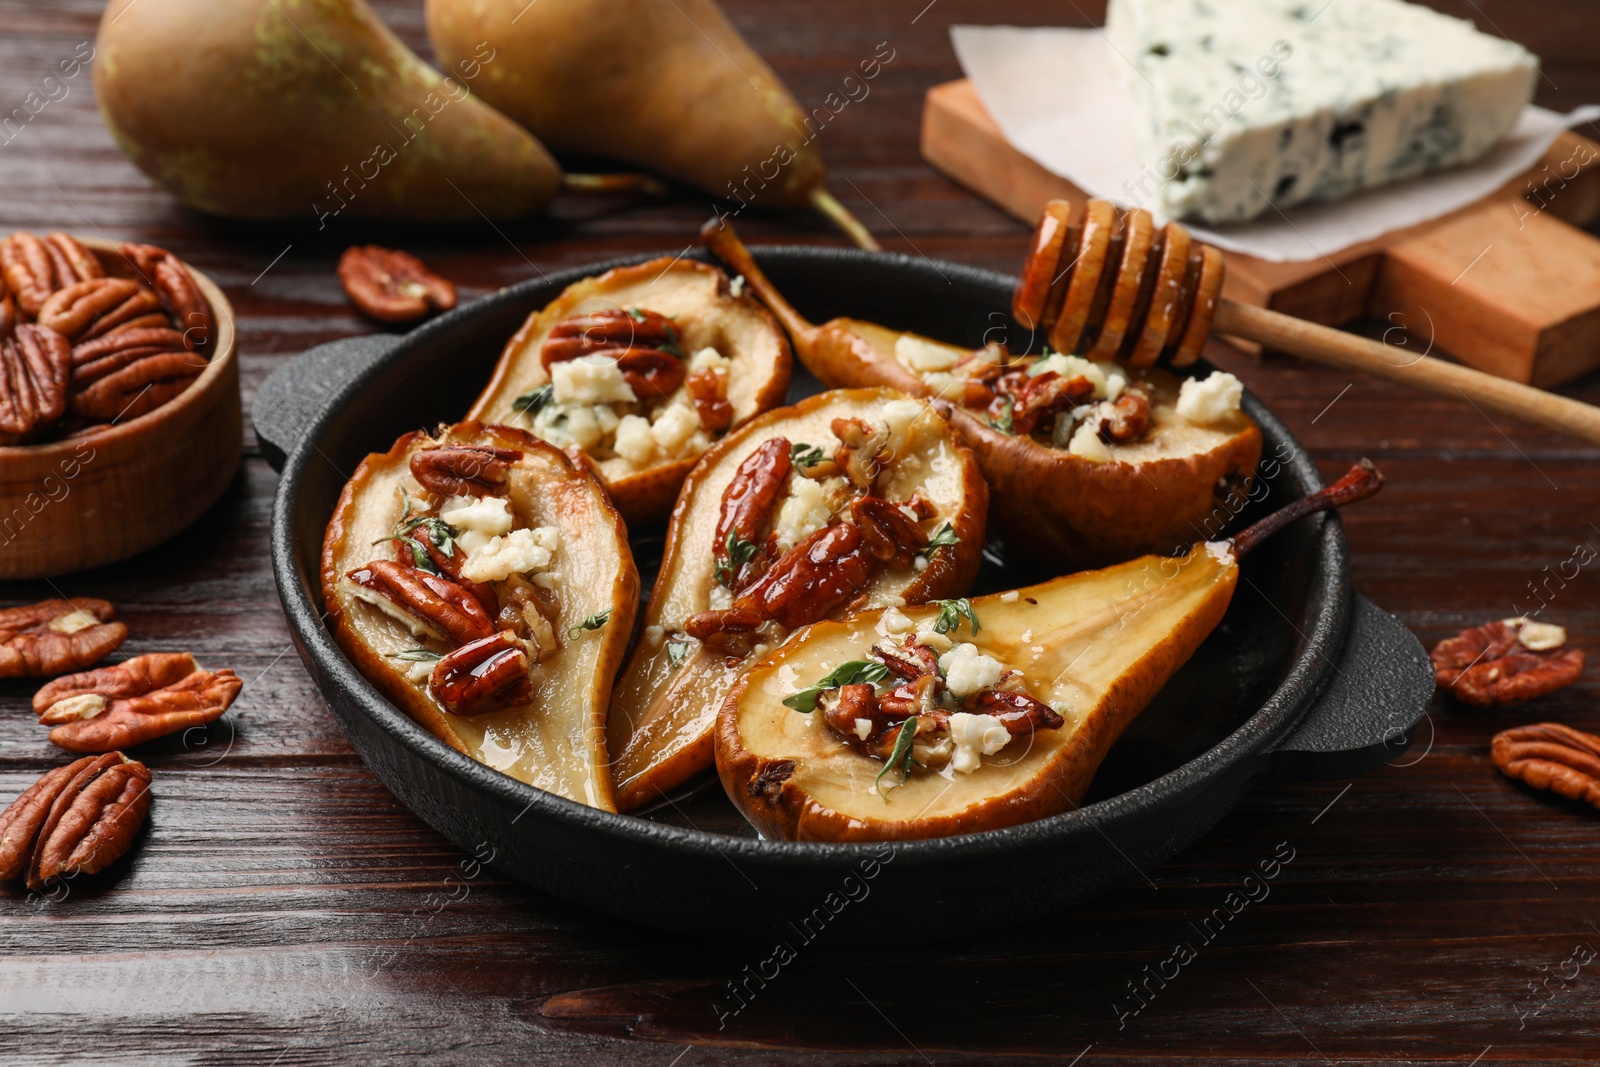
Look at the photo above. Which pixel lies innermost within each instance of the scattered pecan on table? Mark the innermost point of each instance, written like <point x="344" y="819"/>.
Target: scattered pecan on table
<point x="1506" y="662"/>
<point x="77" y="819"/>
<point x="1548" y="755"/>
<point x="132" y="702"/>
<point x="393" y="286"/>
<point x="57" y="636"/>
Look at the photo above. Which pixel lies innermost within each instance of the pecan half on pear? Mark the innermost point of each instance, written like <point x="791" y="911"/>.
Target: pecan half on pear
<point x="57" y="636"/>
<point x="77" y="819"/>
<point x="850" y="499"/>
<point x="640" y="370"/>
<point x="482" y="581"/>
<point x="132" y="702"/>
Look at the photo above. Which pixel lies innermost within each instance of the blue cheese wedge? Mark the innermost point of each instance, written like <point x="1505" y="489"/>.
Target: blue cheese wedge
<point x="1250" y="106"/>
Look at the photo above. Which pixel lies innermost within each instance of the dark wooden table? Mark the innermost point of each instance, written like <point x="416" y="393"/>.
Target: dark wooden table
<point x="285" y="909"/>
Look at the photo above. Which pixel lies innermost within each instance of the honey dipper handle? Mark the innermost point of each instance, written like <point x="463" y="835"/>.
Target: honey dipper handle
<point x="1322" y="344"/>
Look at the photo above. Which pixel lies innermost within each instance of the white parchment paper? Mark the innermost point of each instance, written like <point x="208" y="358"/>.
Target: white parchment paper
<point x="1058" y="97"/>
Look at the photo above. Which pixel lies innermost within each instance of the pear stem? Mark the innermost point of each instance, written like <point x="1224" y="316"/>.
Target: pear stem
<point x="1362" y="481"/>
<point x="647" y="184"/>
<point x="841" y="217"/>
<point x="717" y="235"/>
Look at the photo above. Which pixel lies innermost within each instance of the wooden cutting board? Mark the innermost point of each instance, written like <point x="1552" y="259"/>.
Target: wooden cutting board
<point x="1509" y="285"/>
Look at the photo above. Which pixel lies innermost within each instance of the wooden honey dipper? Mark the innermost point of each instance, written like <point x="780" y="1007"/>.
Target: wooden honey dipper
<point x="1112" y="284"/>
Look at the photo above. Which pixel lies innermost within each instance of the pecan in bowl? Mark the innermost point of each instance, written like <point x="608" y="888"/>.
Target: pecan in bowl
<point x="57" y="636"/>
<point x="1506" y="662"/>
<point x="82" y="348"/>
<point x="77" y="819"/>
<point x="393" y="286"/>
<point x="1551" y="756"/>
<point x="132" y="702"/>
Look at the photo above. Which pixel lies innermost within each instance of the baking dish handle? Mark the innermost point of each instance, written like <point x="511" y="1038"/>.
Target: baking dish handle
<point x="1367" y="715"/>
<point x="295" y="393"/>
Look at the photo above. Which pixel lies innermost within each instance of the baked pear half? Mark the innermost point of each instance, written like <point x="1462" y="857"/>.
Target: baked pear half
<point x="972" y="714"/>
<point x="859" y="498"/>
<point x="1088" y="462"/>
<point x="638" y="371"/>
<point x="483" y="582"/>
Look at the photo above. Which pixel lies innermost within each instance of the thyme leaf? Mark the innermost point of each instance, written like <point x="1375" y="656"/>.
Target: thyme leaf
<point x="900" y="757"/>
<point x="951" y="612"/>
<point x="852" y="672"/>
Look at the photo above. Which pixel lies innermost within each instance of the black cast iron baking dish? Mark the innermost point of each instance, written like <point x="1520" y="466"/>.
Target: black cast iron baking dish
<point x="1301" y="679"/>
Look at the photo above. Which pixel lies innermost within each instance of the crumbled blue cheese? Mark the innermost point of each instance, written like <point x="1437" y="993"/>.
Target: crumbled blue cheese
<point x="1086" y="442"/>
<point x="966" y="670"/>
<point x="803" y="512"/>
<point x="1208" y="401"/>
<point x="895" y="621"/>
<point x="590" y="380"/>
<point x="634" y="442"/>
<point x="710" y="359"/>
<point x="975" y="736"/>
<point x="1303" y="100"/>
<point x="1108" y="379"/>
<point x="921" y="355"/>
<point x="676" y="431"/>
<point x="518" y="552"/>
<point x="477" y="519"/>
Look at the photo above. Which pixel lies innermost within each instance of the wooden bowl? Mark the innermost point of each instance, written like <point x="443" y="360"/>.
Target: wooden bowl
<point x="117" y="490"/>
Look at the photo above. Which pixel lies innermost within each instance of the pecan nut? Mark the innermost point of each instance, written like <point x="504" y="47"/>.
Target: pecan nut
<point x="650" y="373"/>
<point x="393" y="286"/>
<point x="863" y="450"/>
<point x="1036" y="400"/>
<point x="1506" y="662"/>
<point x="179" y="295"/>
<point x="86" y="310"/>
<point x="824" y="571"/>
<point x="77" y="819"/>
<point x="611" y="331"/>
<point x="138" y="388"/>
<point x="132" y="702"/>
<point x="1125" y="419"/>
<point x="709" y="392"/>
<point x="34" y="269"/>
<point x="1549" y="755"/>
<point x="93" y="360"/>
<point x="462" y="470"/>
<point x="57" y="636"/>
<point x="35" y="366"/>
<point x="481" y="676"/>
<point x="747" y="505"/>
<point x="891" y="536"/>
<point x="439" y="607"/>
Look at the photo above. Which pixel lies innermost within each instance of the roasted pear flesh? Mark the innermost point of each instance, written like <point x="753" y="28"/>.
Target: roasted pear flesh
<point x="840" y="734"/>
<point x="640" y="369"/>
<point x="485" y="585"/>
<point x="786" y="521"/>
<point x="1087" y="463"/>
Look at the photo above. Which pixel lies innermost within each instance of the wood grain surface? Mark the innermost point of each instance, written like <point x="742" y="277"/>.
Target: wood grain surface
<point x="283" y="909"/>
